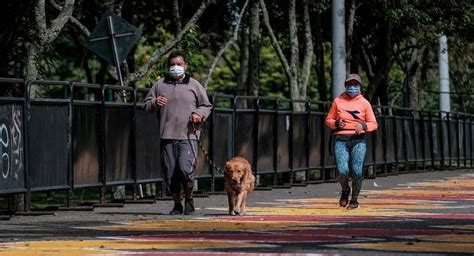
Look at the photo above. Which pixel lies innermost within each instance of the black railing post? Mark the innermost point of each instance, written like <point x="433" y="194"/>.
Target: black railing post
<point x="471" y="147"/>
<point x="324" y="146"/>
<point x="70" y="191"/>
<point x="291" y="142"/>
<point x="442" y="134"/>
<point x="405" y="143"/>
<point x="450" y="156"/>
<point x="422" y="134"/>
<point x="234" y="121"/>
<point x="133" y="134"/>
<point x="275" y="143"/>
<point x="306" y="137"/>
<point x="255" y="135"/>
<point x="431" y="140"/>
<point x="458" y="134"/>
<point x="26" y="120"/>
<point x="211" y="143"/>
<point x="102" y="149"/>
<point x="384" y="141"/>
<point x="395" y="141"/>
<point x="414" y="138"/>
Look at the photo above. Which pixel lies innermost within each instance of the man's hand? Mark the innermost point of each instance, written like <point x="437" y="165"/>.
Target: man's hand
<point x="359" y="128"/>
<point x="161" y="101"/>
<point x="195" y="118"/>
<point x="340" y="123"/>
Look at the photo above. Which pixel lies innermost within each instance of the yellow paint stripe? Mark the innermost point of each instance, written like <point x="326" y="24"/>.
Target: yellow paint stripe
<point x="436" y="247"/>
<point x="465" y="238"/>
<point x="206" y="225"/>
<point x="88" y="247"/>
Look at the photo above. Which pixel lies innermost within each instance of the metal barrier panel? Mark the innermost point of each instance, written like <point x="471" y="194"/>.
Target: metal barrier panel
<point x="266" y="138"/>
<point x="223" y="139"/>
<point x="202" y="166"/>
<point x="244" y="134"/>
<point x="400" y="139"/>
<point x="12" y="146"/>
<point x="445" y="140"/>
<point x="369" y="155"/>
<point x="409" y="139"/>
<point x="427" y="138"/>
<point x="86" y="144"/>
<point x="315" y="142"/>
<point x="436" y="138"/>
<point x="471" y="141"/>
<point x="299" y="150"/>
<point x="283" y="160"/>
<point x="462" y="139"/>
<point x="380" y="143"/>
<point x="147" y="146"/>
<point x="468" y="139"/>
<point x="454" y="142"/>
<point x="48" y="146"/>
<point x="118" y="153"/>
<point x="418" y="139"/>
<point x="390" y="133"/>
<point x="329" y="159"/>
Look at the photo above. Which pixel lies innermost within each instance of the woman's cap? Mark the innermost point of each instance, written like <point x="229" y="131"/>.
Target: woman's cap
<point x="353" y="77"/>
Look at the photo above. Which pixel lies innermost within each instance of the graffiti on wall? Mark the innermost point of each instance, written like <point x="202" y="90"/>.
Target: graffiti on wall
<point x="11" y="145"/>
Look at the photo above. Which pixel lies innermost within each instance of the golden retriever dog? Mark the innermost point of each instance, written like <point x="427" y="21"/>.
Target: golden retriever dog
<point x="239" y="181"/>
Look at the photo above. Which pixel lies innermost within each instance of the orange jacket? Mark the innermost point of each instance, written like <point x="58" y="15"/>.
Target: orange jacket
<point x="352" y="111"/>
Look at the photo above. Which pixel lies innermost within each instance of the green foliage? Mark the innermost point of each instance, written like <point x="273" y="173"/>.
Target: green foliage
<point x="190" y="45"/>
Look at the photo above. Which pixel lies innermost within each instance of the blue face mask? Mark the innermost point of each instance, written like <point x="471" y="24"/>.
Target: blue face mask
<point x="352" y="90"/>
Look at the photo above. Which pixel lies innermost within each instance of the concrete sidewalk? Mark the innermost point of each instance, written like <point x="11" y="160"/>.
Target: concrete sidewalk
<point x="430" y="212"/>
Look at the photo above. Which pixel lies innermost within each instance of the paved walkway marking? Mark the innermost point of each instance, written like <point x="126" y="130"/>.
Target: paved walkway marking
<point x="318" y="222"/>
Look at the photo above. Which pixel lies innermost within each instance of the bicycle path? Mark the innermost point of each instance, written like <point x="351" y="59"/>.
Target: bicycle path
<point x="408" y="214"/>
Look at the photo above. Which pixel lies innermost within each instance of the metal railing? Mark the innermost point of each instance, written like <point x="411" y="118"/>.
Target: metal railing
<point x="82" y="136"/>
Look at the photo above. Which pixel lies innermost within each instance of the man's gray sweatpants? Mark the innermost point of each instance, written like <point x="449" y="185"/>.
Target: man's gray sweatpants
<point x="178" y="161"/>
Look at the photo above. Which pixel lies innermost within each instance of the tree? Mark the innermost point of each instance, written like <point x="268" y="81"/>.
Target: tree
<point x="296" y="69"/>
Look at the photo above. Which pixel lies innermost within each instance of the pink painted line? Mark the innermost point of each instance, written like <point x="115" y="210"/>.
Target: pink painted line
<point x="209" y="253"/>
<point x="423" y="197"/>
<point x="380" y="232"/>
<point x="467" y="188"/>
<point x="281" y="237"/>
<point x="466" y="216"/>
<point x="314" y="235"/>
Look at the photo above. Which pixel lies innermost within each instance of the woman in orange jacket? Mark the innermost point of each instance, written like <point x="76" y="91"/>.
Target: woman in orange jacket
<point x="350" y="118"/>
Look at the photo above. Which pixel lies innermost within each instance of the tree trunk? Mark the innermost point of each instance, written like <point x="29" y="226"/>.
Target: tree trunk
<point x="319" y="52"/>
<point x="244" y="60"/>
<point x="176" y="16"/>
<point x="254" y="51"/>
<point x="350" y="35"/>
<point x="414" y="77"/>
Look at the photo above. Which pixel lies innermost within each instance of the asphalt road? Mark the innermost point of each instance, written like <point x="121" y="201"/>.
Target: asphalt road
<point x="429" y="213"/>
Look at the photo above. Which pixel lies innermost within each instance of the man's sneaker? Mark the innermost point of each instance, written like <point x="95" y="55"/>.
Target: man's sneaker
<point x="188" y="206"/>
<point x="344" y="198"/>
<point x="177" y="209"/>
<point x="353" y="205"/>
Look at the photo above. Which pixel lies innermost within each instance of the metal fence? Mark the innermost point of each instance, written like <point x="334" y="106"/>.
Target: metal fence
<point x="80" y="135"/>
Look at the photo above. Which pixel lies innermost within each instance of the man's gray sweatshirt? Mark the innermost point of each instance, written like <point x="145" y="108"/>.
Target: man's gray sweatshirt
<point x="183" y="98"/>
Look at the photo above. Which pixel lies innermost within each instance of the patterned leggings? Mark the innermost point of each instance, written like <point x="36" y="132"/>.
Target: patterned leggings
<point x="350" y="156"/>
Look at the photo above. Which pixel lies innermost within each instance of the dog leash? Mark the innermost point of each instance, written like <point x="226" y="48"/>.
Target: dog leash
<point x="206" y="153"/>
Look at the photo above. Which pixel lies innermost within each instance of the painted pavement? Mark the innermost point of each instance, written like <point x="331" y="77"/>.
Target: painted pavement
<point x="411" y="218"/>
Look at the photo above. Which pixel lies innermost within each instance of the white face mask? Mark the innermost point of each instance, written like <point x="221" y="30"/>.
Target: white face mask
<point x="176" y="71"/>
